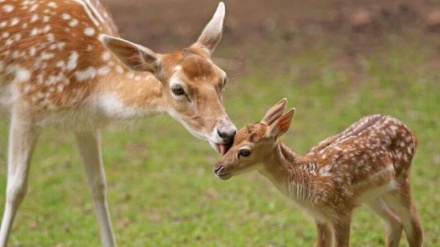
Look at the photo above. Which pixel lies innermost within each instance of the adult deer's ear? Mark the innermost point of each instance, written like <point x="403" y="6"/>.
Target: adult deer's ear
<point x="212" y="33"/>
<point x="281" y="125"/>
<point x="135" y="57"/>
<point x="275" y="112"/>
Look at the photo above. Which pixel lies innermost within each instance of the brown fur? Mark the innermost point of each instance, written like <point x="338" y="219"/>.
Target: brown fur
<point x="369" y="163"/>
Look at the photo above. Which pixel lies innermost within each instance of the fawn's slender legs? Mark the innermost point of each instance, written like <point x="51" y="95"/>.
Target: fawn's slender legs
<point x="23" y="135"/>
<point x="402" y="205"/>
<point x="341" y="230"/>
<point x="89" y="147"/>
<point x="325" y="235"/>
<point x="393" y="226"/>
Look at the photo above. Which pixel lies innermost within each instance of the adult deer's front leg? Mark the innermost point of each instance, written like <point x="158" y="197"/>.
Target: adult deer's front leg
<point x="89" y="147"/>
<point x="23" y="135"/>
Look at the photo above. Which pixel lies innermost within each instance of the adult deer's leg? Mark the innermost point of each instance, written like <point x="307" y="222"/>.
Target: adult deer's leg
<point x="89" y="147"/>
<point x="325" y="235"/>
<point x="392" y="223"/>
<point x="400" y="201"/>
<point x="23" y="135"/>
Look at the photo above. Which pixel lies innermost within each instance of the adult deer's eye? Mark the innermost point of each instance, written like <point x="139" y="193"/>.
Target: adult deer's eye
<point x="244" y="152"/>
<point x="177" y="90"/>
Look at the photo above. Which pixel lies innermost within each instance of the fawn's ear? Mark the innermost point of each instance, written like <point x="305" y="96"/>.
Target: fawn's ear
<point x="281" y="125"/>
<point x="275" y="112"/>
<point x="212" y="33"/>
<point x="133" y="56"/>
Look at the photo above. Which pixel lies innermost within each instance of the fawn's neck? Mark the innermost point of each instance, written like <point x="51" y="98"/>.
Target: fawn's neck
<point x="289" y="172"/>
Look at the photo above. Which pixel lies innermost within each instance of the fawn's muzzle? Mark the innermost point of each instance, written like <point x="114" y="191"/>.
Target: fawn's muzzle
<point x="221" y="172"/>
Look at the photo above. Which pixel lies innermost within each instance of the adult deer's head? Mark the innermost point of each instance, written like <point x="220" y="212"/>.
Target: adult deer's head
<point x="192" y="84"/>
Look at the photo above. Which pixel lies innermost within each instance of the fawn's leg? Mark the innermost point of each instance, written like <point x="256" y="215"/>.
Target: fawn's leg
<point x="89" y="147"/>
<point x="325" y="235"/>
<point x="400" y="201"/>
<point x="341" y="230"/>
<point x="23" y="135"/>
<point x="393" y="226"/>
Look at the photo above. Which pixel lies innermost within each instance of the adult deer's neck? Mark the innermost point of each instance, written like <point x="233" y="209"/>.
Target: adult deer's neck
<point x="289" y="172"/>
<point x="126" y="94"/>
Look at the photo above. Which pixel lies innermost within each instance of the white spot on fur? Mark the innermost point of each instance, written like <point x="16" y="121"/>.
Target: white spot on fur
<point x="46" y="28"/>
<point x="60" y="45"/>
<point x="86" y="74"/>
<point x="103" y="70"/>
<point x="32" y="51"/>
<point x="14" y="21"/>
<point x="119" y="69"/>
<point x="22" y="75"/>
<point x="72" y="62"/>
<point x="52" y="5"/>
<point x="61" y="64"/>
<point x="8" y="8"/>
<point x="34" y="31"/>
<point x="34" y="7"/>
<point x="325" y="170"/>
<point x="46" y="56"/>
<point x="89" y="31"/>
<point x="106" y="56"/>
<point x="34" y="18"/>
<point x="50" y="37"/>
<point x="73" y="22"/>
<point x="65" y="16"/>
<point x="60" y="87"/>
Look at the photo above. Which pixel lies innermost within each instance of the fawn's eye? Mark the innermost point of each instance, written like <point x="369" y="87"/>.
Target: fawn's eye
<point x="244" y="152"/>
<point x="177" y="90"/>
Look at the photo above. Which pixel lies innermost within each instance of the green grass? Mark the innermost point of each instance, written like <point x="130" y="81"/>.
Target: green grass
<point x="162" y="191"/>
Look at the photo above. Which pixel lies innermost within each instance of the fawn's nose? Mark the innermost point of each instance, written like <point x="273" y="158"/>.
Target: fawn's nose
<point x="218" y="168"/>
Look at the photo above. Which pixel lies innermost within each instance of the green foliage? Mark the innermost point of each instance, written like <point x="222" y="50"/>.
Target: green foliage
<point x="162" y="190"/>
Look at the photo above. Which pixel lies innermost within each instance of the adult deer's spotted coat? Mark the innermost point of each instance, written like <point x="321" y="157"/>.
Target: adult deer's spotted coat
<point x="62" y="64"/>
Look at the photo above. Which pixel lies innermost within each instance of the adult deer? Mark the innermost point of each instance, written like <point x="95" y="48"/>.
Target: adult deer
<point x="62" y="64"/>
<point x="368" y="163"/>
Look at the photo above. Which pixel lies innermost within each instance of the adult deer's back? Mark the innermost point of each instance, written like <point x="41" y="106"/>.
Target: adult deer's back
<point x="61" y="63"/>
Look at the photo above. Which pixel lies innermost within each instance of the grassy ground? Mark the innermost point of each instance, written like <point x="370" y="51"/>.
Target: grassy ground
<point x="162" y="191"/>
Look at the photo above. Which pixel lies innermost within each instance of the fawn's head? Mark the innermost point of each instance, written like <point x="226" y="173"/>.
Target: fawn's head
<point x="255" y="142"/>
<point x="192" y="85"/>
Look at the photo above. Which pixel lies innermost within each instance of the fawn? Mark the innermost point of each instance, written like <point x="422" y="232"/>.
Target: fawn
<point x="63" y="64"/>
<point x="368" y="163"/>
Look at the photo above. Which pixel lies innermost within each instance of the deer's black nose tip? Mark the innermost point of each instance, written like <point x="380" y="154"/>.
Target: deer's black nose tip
<point x="226" y="135"/>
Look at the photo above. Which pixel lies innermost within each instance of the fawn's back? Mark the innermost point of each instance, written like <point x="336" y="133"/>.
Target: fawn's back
<point x="368" y="154"/>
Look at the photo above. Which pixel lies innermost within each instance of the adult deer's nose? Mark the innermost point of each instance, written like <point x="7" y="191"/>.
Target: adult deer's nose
<point x="227" y="136"/>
